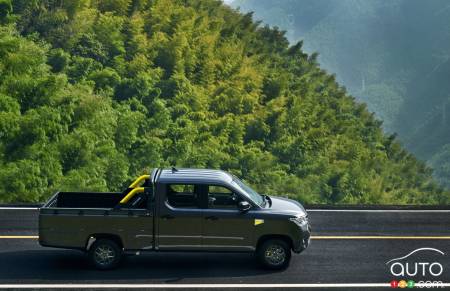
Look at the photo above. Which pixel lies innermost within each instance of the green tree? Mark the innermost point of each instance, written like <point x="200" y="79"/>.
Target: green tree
<point x="95" y="93"/>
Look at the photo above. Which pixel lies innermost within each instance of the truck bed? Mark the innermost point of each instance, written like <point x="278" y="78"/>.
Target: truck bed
<point x="85" y="200"/>
<point x="70" y="218"/>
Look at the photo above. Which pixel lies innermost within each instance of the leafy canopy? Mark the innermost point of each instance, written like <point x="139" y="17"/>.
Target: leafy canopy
<point x="94" y="93"/>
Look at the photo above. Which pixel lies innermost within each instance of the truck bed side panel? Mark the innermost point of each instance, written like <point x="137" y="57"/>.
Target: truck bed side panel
<point x="71" y="228"/>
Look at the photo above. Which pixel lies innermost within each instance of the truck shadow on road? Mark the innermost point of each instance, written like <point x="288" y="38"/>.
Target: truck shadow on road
<point x="162" y="267"/>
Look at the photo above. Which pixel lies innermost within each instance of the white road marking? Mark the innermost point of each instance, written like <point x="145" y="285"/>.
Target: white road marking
<point x="207" y="286"/>
<point x="188" y="286"/>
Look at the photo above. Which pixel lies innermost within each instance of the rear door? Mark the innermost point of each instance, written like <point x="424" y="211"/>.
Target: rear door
<point x="179" y="217"/>
<point x="225" y="228"/>
<point x="137" y="221"/>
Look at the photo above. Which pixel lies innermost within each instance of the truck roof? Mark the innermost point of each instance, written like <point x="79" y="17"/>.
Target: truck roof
<point x="194" y="176"/>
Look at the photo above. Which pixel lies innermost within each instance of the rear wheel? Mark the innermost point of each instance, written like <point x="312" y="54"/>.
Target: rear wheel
<point x="105" y="254"/>
<point x="274" y="254"/>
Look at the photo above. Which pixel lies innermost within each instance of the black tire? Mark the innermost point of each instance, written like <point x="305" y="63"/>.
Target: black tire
<point x="274" y="254"/>
<point x="105" y="254"/>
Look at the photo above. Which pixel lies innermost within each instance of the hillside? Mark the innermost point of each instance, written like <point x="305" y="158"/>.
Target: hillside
<point x="393" y="55"/>
<point x="94" y="93"/>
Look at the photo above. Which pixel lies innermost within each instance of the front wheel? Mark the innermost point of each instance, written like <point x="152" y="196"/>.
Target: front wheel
<point x="105" y="254"/>
<point x="274" y="254"/>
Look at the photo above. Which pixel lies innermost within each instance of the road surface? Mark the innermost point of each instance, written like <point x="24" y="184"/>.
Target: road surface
<point x="348" y="247"/>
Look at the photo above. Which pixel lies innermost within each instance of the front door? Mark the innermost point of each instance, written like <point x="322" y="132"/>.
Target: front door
<point x="180" y="218"/>
<point x="225" y="228"/>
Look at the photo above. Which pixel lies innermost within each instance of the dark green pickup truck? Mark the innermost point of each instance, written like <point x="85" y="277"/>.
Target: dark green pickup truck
<point x="176" y="210"/>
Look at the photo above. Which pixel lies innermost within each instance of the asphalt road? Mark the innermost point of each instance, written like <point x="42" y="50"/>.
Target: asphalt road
<point x="347" y="247"/>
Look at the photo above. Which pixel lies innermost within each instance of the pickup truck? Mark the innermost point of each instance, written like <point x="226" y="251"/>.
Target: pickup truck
<point x="176" y="210"/>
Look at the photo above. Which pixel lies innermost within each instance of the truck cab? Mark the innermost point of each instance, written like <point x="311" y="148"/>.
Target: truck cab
<point x="176" y="210"/>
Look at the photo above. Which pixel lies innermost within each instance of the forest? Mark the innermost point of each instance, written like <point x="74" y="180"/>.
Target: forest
<point x="393" y="55"/>
<point x="96" y="92"/>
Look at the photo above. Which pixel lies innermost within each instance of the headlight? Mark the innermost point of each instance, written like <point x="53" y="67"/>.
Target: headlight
<point x="299" y="220"/>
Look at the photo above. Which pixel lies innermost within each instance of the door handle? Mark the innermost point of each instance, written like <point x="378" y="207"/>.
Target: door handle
<point x="167" y="216"/>
<point x="211" y="218"/>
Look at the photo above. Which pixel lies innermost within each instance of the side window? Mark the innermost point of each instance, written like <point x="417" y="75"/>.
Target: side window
<point x="221" y="198"/>
<point x="182" y="196"/>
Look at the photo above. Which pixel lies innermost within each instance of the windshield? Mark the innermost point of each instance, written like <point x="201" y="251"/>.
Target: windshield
<point x="249" y="192"/>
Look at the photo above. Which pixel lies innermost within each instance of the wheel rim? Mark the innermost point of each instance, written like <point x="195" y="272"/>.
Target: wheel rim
<point x="104" y="255"/>
<point x="275" y="254"/>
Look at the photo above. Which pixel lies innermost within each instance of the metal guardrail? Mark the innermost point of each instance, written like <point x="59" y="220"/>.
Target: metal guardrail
<point x="24" y="205"/>
<point x="307" y="206"/>
<point x="377" y="207"/>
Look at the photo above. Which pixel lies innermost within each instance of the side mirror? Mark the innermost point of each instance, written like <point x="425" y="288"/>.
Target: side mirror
<point x="244" y="206"/>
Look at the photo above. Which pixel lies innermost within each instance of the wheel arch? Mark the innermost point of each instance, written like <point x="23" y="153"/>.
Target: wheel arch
<point x="91" y="239"/>
<point x="267" y="237"/>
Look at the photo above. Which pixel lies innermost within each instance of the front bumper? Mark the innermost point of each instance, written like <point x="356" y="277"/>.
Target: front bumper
<point x="304" y="239"/>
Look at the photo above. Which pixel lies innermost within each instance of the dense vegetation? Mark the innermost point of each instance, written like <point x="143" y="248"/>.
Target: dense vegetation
<point x="393" y="55"/>
<point x="93" y="93"/>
